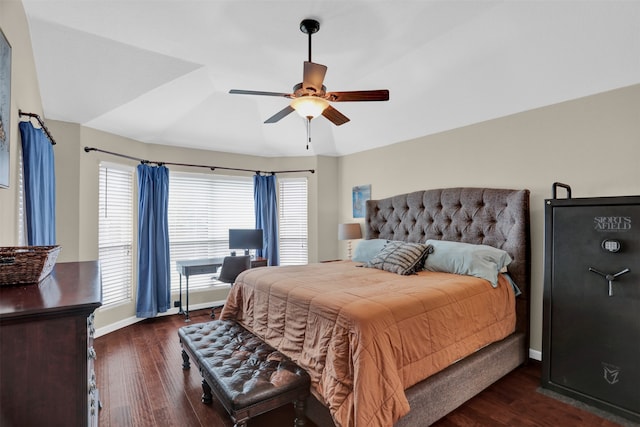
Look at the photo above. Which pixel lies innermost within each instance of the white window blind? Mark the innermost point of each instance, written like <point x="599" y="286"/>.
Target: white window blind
<point x="292" y="207"/>
<point x="202" y="209"/>
<point x="115" y="236"/>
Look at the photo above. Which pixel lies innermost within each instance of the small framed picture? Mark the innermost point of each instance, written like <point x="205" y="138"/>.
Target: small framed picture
<point x="361" y="194"/>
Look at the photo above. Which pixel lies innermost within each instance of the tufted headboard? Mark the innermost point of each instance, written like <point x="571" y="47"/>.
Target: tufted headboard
<point x="487" y="216"/>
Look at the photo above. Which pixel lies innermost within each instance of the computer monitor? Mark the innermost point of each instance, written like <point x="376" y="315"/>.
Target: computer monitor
<point x="245" y="239"/>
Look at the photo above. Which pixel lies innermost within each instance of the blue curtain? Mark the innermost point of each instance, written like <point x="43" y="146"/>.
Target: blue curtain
<point x="266" y="208"/>
<point x="39" y="186"/>
<point x="154" y="283"/>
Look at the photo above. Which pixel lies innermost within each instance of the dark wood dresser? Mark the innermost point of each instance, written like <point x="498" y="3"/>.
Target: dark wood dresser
<point x="46" y="349"/>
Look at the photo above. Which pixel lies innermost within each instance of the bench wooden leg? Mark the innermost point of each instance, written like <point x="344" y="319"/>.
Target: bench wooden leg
<point x="185" y="360"/>
<point x="298" y="407"/>
<point x="206" y="392"/>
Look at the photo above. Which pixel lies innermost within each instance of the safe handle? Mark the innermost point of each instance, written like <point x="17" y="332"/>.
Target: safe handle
<point x="554" y="189"/>
<point x="609" y="277"/>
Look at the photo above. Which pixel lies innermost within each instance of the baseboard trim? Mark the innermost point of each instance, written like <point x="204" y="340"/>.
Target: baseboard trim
<point x="133" y="320"/>
<point x="535" y="355"/>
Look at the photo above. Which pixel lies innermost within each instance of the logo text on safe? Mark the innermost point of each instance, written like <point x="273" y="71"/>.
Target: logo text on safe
<point x="612" y="223"/>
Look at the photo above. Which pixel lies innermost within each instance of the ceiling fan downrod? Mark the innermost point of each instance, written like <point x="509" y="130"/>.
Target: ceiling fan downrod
<point x="309" y="26"/>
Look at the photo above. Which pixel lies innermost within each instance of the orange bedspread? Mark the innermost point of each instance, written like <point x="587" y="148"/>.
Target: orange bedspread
<point x="365" y="335"/>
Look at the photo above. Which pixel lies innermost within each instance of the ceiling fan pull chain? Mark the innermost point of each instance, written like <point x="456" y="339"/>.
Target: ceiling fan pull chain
<point x="308" y="131"/>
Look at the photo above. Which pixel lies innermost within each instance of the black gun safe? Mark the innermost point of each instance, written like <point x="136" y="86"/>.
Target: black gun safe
<point x="591" y="320"/>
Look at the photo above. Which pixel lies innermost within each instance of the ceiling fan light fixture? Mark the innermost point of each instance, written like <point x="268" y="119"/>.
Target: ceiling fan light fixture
<point x="310" y="97"/>
<point x="309" y="106"/>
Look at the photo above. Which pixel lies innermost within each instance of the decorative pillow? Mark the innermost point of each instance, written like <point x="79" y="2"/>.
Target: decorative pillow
<point x="400" y="257"/>
<point x="367" y="249"/>
<point x="464" y="258"/>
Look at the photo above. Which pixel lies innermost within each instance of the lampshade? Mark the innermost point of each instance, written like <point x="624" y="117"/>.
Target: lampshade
<point x="349" y="231"/>
<point x="309" y="106"/>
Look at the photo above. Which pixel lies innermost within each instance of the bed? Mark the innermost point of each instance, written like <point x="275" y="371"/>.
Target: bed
<point x="384" y="348"/>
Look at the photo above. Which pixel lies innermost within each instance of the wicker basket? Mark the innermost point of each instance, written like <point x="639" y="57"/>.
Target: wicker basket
<point x="26" y="264"/>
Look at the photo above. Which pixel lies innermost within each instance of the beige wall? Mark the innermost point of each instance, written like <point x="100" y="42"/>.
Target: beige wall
<point x="25" y="95"/>
<point x="592" y="144"/>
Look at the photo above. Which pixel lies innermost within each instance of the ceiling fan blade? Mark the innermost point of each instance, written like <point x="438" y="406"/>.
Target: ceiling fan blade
<point x="257" y="92"/>
<point x="313" y="76"/>
<point x="359" y="95"/>
<point x="280" y="114"/>
<point x="335" y="116"/>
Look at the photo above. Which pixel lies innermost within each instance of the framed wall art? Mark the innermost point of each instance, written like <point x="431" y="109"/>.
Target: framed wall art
<point x="361" y="194"/>
<point x="5" y="108"/>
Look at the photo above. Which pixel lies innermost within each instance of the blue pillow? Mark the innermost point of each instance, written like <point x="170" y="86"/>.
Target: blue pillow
<point x="516" y="289"/>
<point x="480" y="261"/>
<point x="367" y="249"/>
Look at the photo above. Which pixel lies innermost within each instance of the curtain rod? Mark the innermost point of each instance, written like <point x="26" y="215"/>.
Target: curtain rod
<point x="87" y="149"/>
<point x="44" y="128"/>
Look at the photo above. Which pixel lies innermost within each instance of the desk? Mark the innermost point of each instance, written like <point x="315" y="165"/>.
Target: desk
<point x="192" y="267"/>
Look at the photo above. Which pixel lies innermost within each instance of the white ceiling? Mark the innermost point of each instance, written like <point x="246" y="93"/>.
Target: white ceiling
<point x="160" y="71"/>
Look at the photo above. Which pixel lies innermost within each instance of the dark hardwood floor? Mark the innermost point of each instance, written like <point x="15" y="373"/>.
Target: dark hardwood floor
<point x="142" y="383"/>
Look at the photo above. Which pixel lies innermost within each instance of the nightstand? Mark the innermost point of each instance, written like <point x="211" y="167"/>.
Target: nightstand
<point x="259" y="262"/>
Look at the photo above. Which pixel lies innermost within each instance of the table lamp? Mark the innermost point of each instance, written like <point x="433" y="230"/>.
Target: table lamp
<point x="349" y="232"/>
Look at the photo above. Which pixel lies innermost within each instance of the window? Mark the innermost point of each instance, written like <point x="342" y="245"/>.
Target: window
<point x="115" y="235"/>
<point x="292" y="206"/>
<point x="202" y="209"/>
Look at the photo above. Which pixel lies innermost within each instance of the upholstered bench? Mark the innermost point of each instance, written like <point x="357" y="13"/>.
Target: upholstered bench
<point x="248" y="376"/>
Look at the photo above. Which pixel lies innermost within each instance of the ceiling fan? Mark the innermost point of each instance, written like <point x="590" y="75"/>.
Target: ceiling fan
<point x="310" y="98"/>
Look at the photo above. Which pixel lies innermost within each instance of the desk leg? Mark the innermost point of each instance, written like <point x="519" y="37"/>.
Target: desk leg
<point x="180" y="311"/>
<point x="187" y="294"/>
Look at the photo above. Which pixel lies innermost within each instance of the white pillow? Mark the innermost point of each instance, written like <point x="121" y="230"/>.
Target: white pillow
<point x="481" y="261"/>
<point x="367" y="249"/>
